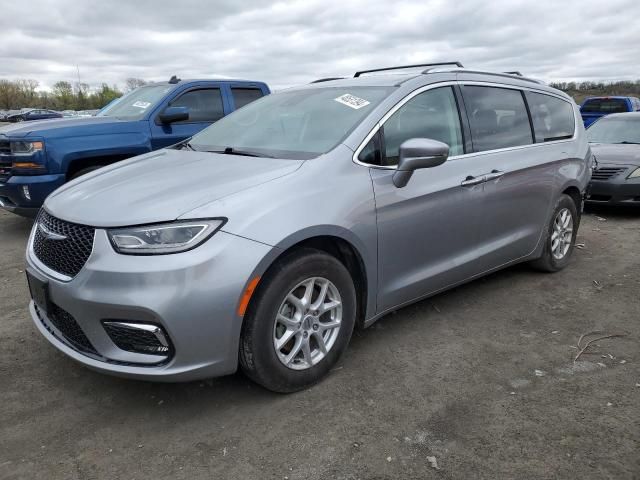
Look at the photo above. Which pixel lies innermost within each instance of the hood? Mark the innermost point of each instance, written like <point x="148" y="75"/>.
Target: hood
<point x="616" y="154"/>
<point x="67" y="127"/>
<point x="160" y="186"/>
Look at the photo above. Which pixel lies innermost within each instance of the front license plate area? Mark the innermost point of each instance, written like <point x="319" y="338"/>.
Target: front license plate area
<point x="39" y="292"/>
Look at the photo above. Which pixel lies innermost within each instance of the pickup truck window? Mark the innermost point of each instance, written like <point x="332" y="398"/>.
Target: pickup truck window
<point x="242" y="96"/>
<point x="205" y="105"/>
<point x="605" y="105"/>
<point x="135" y="104"/>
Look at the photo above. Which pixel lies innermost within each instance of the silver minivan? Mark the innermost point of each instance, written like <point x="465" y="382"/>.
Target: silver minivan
<point x="266" y="238"/>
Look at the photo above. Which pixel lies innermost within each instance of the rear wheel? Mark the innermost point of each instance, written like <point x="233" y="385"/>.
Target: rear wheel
<point x="561" y="236"/>
<point x="299" y="322"/>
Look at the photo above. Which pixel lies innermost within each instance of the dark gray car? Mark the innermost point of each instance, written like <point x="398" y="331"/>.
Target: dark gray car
<point x="615" y="142"/>
<point x="264" y="240"/>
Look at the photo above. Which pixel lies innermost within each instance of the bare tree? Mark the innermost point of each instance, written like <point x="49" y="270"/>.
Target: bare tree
<point x="132" y="83"/>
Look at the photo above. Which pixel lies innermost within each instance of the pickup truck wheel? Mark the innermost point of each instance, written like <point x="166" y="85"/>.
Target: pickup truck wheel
<point x="560" y="237"/>
<point x="299" y="322"/>
<point x="84" y="171"/>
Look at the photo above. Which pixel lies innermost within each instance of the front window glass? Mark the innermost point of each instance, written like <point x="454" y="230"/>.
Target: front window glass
<point x="137" y="103"/>
<point x="297" y="124"/>
<point x="205" y="105"/>
<point x="432" y="114"/>
<point x="615" y="130"/>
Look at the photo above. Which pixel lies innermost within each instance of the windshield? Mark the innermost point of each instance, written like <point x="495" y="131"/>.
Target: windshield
<point x="615" y="130"/>
<point x="136" y="103"/>
<point x="299" y="124"/>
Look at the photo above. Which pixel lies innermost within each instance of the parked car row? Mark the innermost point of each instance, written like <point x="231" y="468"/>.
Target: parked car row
<point x="28" y="114"/>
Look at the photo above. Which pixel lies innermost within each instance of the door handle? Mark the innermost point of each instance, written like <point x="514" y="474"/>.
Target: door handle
<point x="470" y="181"/>
<point x="493" y="175"/>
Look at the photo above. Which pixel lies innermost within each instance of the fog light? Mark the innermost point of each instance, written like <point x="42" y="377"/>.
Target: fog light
<point x="138" y="337"/>
<point x="25" y="192"/>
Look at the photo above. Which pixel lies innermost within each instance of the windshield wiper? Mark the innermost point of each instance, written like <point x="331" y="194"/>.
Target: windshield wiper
<point x="628" y="143"/>
<point x="244" y="153"/>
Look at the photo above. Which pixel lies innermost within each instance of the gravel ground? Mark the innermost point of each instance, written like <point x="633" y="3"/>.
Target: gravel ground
<point x="478" y="382"/>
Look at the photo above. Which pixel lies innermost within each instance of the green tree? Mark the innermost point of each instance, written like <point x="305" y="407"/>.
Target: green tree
<point x="63" y="94"/>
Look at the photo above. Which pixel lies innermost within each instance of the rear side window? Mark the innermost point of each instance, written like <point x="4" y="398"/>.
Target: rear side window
<point x="432" y="114"/>
<point x="205" y="105"/>
<point x="498" y="118"/>
<point x="553" y="118"/>
<point x="243" y="96"/>
<point x="605" y="105"/>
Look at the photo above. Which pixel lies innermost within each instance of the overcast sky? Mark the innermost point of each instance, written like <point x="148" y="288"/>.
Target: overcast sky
<point x="287" y="43"/>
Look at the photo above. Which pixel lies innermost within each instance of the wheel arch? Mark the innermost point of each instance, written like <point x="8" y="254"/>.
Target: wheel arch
<point x="576" y="195"/>
<point x="341" y="245"/>
<point x="77" y="164"/>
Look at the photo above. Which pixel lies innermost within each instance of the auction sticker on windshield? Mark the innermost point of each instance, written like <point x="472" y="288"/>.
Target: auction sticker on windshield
<point x="140" y="104"/>
<point x="352" y="101"/>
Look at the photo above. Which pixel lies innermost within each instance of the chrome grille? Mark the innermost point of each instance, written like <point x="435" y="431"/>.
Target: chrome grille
<point x="67" y="246"/>
<point x="605" y="173"/>
<point x="5" y="169"/>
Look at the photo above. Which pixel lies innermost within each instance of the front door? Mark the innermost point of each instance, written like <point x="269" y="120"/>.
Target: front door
<point x="427" y="231"/>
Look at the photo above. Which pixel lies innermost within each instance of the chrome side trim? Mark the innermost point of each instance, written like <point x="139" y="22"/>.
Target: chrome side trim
<point x="425" y="88"/>
<point x="147" y="327"/>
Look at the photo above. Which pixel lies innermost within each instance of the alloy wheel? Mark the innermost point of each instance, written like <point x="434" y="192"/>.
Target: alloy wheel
<point x="307" y="324"/>
<point x="562" y="234"/>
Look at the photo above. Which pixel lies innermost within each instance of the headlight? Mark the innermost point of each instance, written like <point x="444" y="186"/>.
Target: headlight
<point x="635" y="173"/>
<point x="26" y="148"/>
<point x="163" y="238"/>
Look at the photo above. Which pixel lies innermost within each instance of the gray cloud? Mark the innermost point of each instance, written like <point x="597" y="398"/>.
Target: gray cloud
<point x="286" y="43"/>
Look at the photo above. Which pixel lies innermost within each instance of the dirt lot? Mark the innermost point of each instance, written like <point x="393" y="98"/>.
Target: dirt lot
<point x="480" y="378"/>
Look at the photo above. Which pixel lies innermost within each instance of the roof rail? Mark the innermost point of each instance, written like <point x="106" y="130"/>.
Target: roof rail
<point x="503" y="74"/>
<point x="515" y="72"/>
<point x="328" y="79"/>
<point x="458" y="64"/>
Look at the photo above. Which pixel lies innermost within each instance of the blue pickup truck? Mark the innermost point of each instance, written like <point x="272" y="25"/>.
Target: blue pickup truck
<point x="38" y="157"/>
<point x="594" y="108"/>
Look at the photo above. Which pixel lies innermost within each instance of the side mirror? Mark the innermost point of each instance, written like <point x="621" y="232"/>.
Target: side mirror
<point x="417" y="153"/>
<point x="174" y="114"/>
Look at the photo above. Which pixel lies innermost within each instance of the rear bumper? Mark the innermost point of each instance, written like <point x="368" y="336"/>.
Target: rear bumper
<point x="13" y="198"/>
<point x="615" y="192"/>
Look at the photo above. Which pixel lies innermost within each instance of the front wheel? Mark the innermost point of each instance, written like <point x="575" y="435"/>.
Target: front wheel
<point x="299" y="322"/>
<point x="561" y="235"/>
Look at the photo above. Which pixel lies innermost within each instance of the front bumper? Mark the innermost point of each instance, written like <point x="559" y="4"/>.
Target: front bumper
<point x="615" y="191"/>
<point x="192" y="295"/>
<point x="13" y="199"/>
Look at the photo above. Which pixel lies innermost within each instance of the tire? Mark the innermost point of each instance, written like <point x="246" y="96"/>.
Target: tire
<point x="20" y="119"/>
<point x="259" y="357"/>
<point x="549" y="261"/>
<point x="84" y="171"/>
